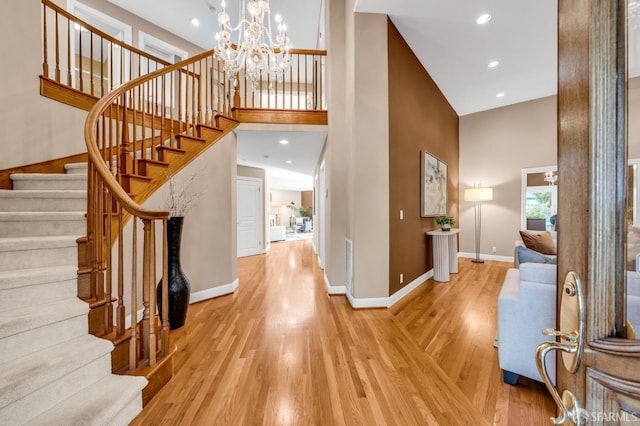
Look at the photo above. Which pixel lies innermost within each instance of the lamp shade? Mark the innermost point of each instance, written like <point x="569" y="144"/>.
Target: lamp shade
<point x="478" y="194"/>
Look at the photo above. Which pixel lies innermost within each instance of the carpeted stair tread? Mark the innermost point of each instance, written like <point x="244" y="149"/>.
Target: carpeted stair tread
<point x="44" y="367"/>
<point x="98" y="404"/>
<point x="17" y="224"/>
<point x="43" y="193"/>
<point x="19" y="320"/>
<point x="36" y="276"/>
<point x="76" y="168"/>
<point x="38" y="251"/>
<point x="43" y="200"/>
<point x="49" y="181"/>
<point x="37" y="286"/>
<point x="42" y="216"/>
<point x="30" y="243"/>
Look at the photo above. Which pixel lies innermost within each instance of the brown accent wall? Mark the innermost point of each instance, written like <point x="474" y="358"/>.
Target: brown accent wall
<point x="420" y="118"/>
<point x="307" y="198"/>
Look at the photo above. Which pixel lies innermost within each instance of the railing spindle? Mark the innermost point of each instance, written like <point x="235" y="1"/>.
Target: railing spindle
<point x="45" y="45"/>
<point x="134" y="342"/>
<point x="57" y="50"/>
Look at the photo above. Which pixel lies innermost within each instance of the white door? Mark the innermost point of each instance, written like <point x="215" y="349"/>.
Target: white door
<point x="249" y="216"/>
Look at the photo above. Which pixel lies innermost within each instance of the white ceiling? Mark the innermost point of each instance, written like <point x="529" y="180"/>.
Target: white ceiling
<point x="521" y="35"/>
<point x="263" y="149"/>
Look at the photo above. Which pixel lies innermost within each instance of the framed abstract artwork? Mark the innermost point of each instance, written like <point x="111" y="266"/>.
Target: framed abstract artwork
<point x="433" y="188"/>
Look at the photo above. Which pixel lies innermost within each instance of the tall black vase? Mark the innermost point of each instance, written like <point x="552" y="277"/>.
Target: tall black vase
<point x="179" y="286"/>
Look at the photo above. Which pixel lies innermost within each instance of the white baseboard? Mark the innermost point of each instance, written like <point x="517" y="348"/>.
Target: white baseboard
<point x="266" y="250"/>
<point x="382" y="302"/>
<point x="395" y="297"/>
<point x="214" y="292"/>
<point x="196" y="297"/>
<point x="334" y="289"/>
<point x="486" y="257"/>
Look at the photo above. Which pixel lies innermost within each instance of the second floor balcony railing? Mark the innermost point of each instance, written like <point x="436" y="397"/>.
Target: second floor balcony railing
<point x="90" y="63"/>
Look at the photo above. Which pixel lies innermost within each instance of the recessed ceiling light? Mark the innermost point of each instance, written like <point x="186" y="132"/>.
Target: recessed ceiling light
<point x="288" y="161"/>
<point x="195" y="22"/>
<point x="483" y="19"/>
<point x="284" y="141"/>
<point x="493" y="64"/>
<point x="499" y="95"/>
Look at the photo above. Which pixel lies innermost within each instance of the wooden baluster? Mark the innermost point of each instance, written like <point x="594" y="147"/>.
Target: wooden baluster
<point x="125" y="150"/>
<point x="321" y="106"/>
<point x="45" y="46"/>
<point x="268" y="88"/>
<point x="120" y="124"/>
<point x="165" y="290"/>
<point x="193" y="97"/>
<point x="313" y="83"/>
<point x="133" y="343"/>
<point x="57" y="50"/>
<point x="80" y="82"/>
<point x="108" y="312"/>
<point x="306" y="84"/>
<point x="290" y="86"/>
<point x="69" y="75"/>
<point x="218" y="91"/>
<point x="163" y="117"/>
<point x="134" y="140"/>
<point x="260" y="88"/>
<point x="145" y="328"/>
<point x="91" y="62"/>
<point x="110" y="66"/>
<point x="179" y="100"/>
<point x="200" y="76"/>
<point x="120" y="310"/>
<point x="207" y="100"/>
<point x="150" y="261"/>
<point x="101" y="66"/>
<point x="171" y="107"/>
<point x="91" y="227"/>
<point x="298" y="66"/>
<point x="143" y="128"/>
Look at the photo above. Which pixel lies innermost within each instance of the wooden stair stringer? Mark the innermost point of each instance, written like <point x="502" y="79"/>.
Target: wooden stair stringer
<point x="190" y="147"/>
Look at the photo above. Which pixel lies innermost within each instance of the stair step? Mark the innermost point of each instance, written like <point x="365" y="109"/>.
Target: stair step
<point x="31" y="224"/>
<point x="48" y="181"/>
<point x="33" y="384"/>
<point x="113" y="400"/>
<point x="27" y="318"/>
<point x="37" y="286"/>
<point x="37" y="252"/>
<point x="41" y="338"/>
<point x="41" y="200"/>
<point x="76" y="168"/>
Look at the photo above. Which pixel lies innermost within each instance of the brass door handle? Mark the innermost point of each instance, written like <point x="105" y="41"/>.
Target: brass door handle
<point x="571" y="344"/>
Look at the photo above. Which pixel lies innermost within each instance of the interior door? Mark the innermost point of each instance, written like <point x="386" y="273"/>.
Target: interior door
<point x="592" y="195"/>
<point x="249" y="216"/>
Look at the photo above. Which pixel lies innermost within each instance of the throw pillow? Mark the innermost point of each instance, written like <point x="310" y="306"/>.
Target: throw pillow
<point x="526" y="255"/>
<point x="633" y="247"/>
<point x="540" y="242"/>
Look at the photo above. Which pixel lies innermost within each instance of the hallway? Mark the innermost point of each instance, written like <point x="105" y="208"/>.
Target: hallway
<point x="281" y="351"/>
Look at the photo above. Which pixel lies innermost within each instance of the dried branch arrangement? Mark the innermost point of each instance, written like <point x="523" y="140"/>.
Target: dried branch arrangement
<point x="181" y="198"/>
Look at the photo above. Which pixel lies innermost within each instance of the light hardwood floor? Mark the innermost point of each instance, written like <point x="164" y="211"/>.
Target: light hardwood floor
<point x="281" y="351"/>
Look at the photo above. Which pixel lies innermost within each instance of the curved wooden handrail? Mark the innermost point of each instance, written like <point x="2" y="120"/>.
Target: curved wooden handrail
<point x="102" y="34"/>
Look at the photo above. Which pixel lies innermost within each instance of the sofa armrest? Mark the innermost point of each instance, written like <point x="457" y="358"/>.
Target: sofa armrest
<point x="525" y="308"/>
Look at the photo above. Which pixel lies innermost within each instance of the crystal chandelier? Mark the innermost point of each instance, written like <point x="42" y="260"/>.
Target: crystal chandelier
<point x="256" y="49"/>
<point x="551" y="178"/>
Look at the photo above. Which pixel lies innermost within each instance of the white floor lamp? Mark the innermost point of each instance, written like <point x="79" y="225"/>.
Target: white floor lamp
<point x="478" y="194"/>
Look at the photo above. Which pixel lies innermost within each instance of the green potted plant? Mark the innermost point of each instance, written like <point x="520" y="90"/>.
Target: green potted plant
<point x="445" y="222"/>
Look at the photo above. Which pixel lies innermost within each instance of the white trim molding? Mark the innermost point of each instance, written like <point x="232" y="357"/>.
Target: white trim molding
<point x="378" y="302"/>
<point x="214" y="292"/>
<point x="486" y="257"/>
<point x="334" y="289"/>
